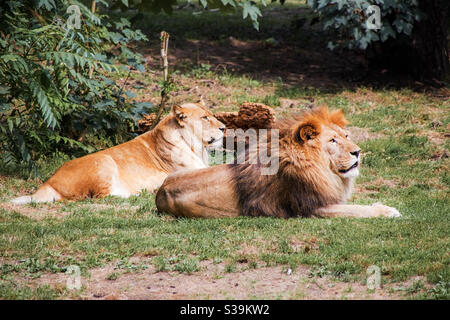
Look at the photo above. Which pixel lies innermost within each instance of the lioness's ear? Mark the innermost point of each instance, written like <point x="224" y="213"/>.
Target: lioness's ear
<point x="179" y="114"/>
<point x="201" y="102"/>
<point x="307" y="130"/>
<point x="337" y="117"/>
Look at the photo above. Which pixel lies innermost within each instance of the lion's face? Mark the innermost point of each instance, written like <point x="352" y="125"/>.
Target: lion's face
<point x="343" y="154"/>
<point x="200" y="122"/>
<point x="325" y="131"/>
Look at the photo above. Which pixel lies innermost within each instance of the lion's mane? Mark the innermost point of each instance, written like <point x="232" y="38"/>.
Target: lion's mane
<point x="304" y="181"/>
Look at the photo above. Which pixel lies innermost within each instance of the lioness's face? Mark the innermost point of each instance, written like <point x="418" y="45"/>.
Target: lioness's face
<point x="342" y="152"/>
<point x="201" y="122"/>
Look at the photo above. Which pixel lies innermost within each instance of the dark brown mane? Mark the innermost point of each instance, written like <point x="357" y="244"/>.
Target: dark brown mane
<point x="302" y="183"/>
<point x="279" y="195"/>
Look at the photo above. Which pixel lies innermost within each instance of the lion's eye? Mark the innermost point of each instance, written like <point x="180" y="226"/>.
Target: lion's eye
<point x="205" y="118"/>
<point x="346" y="136"/>
<point x="333" y="140"/>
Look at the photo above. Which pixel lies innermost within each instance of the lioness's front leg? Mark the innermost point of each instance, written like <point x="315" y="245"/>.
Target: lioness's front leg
<point x="357" y="211"/>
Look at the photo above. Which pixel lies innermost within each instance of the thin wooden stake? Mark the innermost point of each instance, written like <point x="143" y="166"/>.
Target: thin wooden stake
<point x="165" y="66"/>
<point x="164" y="49"/>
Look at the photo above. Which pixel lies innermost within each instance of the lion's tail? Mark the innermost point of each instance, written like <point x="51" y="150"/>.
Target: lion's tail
<point x="44" y="193"/>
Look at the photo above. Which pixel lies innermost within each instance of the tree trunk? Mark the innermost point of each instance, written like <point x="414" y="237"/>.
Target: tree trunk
<point x="430" y="43"/>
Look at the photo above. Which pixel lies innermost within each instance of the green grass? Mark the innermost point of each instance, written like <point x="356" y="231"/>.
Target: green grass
<point x="12" y="291"/>
<point x="397" y="170"/>
<point x="414" y="245"/>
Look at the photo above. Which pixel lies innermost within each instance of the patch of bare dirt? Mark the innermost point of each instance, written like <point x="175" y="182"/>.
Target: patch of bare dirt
<point x="359" y="135"/>
<point x="438" y="155"/>
<point x="304" y="245"/>
<point x="437" y="138"/>
<point x="36" y="213"/>
<point x="256" y="58"/>
<point x="289" y="104"/>
<point x="373" y="186"/>
<point x="385" y="182"/>
<point x="212" y="282"/>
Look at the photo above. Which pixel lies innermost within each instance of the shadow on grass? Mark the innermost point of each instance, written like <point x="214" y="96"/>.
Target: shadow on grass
<point x="290" y="48"/>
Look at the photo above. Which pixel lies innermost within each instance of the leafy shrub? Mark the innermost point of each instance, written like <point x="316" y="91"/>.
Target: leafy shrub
<point x="56" y="91"/>
<point x="350" y="18"/>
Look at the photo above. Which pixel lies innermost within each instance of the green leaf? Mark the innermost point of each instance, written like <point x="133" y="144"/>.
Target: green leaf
<point x="249" y="9"/>
<point x="49" y="4"/>
<point x="4" y="90"/>
<point x="47" y="112"/>
<point x="10" y="125"/>
<point x="9" y="57"/>
<point x="130" y="94"/>
<point x="4" y="107"/>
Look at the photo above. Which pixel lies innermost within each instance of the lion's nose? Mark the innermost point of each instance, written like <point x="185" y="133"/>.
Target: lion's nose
<point x="355" y="153"/>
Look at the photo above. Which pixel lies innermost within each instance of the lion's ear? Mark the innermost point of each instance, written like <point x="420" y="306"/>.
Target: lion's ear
<point x="307" y="131"/>
<point x="337" y="117"/>
<point x="179" y="114"/>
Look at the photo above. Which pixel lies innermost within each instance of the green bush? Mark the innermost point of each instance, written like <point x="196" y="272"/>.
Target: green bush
<point x="56" y="91"/>
<point x="350" y="18"/>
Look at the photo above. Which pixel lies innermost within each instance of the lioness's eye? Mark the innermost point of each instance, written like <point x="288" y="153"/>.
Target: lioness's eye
<point x="205" y="118"/>
<point x="346" y="136"/>
<point x="333" y="140"/>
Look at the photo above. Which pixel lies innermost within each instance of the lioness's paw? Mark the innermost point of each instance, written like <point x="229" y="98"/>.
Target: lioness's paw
<point x="386" y="211"/>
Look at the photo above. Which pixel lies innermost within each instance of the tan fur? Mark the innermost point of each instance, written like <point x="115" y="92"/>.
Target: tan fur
<point x="178" y="142"/>
<point x="318" y="165"/>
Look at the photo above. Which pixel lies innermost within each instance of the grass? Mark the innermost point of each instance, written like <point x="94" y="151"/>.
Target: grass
<point x="399" y="169"/>
<point x="11" y="291"/>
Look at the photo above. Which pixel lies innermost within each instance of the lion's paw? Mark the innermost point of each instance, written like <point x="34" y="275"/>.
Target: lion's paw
<point x="386" y="211"/>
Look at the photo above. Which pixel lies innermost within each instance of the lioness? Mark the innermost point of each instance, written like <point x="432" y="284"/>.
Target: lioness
<point x="318" y="164"/>
<point x="177" y="142"/>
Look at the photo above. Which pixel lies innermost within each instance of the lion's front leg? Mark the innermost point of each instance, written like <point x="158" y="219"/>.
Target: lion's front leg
<point x="357" y="211"/>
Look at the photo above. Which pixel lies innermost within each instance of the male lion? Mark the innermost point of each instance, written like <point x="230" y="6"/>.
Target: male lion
<point x="177" y="142"/>
<point x="317" y="167"/>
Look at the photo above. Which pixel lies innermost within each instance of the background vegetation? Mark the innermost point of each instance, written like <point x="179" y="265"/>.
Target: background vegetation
<point x="56" y="87"/>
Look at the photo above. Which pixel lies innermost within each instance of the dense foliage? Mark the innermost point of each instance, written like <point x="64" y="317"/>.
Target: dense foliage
<point x="350" y="17"/>
<point x="56" y="91"/>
